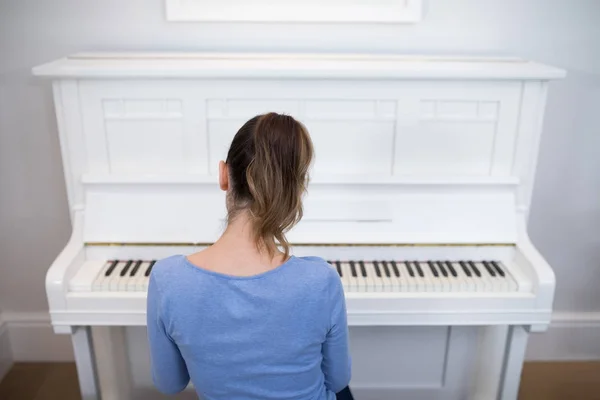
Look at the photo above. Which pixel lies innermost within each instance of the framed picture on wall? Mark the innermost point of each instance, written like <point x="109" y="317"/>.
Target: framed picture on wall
<point x="383" y="11"/>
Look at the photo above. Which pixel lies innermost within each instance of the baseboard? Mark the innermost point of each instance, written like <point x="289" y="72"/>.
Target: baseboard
<point x="571" y="336"/>
<point x="6" y="358"/>
<point x="32" y="338"/>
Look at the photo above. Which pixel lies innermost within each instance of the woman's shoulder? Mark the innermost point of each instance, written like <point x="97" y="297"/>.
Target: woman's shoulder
<point x="320" y="269"/>
<point x="166" y="266"/>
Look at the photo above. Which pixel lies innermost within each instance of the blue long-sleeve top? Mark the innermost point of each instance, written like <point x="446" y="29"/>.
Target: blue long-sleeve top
<point x="278" y="335"/>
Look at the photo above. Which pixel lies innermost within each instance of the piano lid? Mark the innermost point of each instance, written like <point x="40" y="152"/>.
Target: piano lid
<point x="408" y="149"/>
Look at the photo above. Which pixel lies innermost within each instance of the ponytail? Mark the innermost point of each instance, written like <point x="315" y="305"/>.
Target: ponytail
<point x="268" y="163"/>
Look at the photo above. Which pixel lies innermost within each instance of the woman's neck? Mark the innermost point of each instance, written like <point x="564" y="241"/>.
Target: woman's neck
<point x="236" y="252"/>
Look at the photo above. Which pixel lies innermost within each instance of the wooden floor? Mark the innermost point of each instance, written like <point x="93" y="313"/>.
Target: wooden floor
<point x="541" y="381"/>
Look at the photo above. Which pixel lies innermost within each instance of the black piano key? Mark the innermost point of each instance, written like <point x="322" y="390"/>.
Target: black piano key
<point x="475" y="269"/>
<point x="377" y="270"/>
<point x="353" y="269"/>
<point x="451" y="268"/>
<point x="111" y="268"/>
<point x="126" y="268"/>
<point x="338" y="266"/>
<point x="433" y="269"/>
<point x="385" y="268"/>
<point x="465" y="268"/>
<point x="418" y="267"/>
<point x="149" y="269"/>
<point x="409" y="268"/>
<point x="395" y="267"/>
<point x="489" y="269"/>
<point x="136" y="267"/>
<point x="442" y="269"/>
<point x="500" y="271"/>
<point x="362" y="269"/>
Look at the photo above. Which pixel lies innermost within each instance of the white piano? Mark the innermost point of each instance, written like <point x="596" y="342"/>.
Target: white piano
<point x="419" y="198"/>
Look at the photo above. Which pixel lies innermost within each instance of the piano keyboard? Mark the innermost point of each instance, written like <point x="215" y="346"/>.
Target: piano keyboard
<point x="356" y="276"/>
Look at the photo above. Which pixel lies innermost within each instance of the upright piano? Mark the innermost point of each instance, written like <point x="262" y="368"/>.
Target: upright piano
<point x="419" y="198"/>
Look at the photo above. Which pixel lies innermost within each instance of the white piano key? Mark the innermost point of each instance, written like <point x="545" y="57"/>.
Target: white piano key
<point x="352" y="281"/>
<point x="462" y="281"/>
<point x="453" y="281"/>
<point x="374" y="283"/>
<point x="344" y="277"/>
<point x="394" y="280"/>
<point x="468" y="278"/>
<point x="131" y="281"/>
<point x="141" y="281"/>
<point x="97" y="283"/>
<point x="125" y="279"/>
<point x="450" y="283"/>
<point x="410" y="281"/>
<point x="101" y="279"/>
<point x="446" y="283"/>
<point x="439" y="284"/>
<point x="380" y="281"/>
<point x="429" y="280"/>
<point x="361" y="280"/>
<point x="421" y="282"/>
<point x="488" y="285"/>
<point x="480" y="283"/>
<point x="386" y="281"/>
<point x="111" y="284"/>
<point x="140" y="278"/>
<point x="499" y="282"/>
<point x="509" y="284"/>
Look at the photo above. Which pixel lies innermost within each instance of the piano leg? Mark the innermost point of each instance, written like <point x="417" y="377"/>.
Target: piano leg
<point x="500" y="362"/>
<point x="490" y="360"/>
<point x="86" y="362"/>
<point x="516" y="345"/>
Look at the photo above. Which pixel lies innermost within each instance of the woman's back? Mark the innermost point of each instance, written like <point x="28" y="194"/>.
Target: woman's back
<point x="242" y="318"/>
<point x="280" y="334"/>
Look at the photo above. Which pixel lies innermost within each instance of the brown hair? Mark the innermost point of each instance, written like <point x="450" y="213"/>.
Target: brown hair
<point x="268" y="164"/>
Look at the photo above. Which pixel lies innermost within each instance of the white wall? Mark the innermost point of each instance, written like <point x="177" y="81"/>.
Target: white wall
<point x="565" y="219"/>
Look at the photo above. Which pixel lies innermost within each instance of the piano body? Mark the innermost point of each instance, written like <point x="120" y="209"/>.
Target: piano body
<point x="419" y="197"/>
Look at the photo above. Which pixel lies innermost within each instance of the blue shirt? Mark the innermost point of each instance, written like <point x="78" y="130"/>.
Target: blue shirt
<point x="278" y="335"/>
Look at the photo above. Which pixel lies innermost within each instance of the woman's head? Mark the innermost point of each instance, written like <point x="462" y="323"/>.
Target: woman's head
<point x="265" y="175"/>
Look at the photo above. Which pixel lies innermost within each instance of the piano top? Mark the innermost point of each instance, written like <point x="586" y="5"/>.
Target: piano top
<point x="300" y="65"/>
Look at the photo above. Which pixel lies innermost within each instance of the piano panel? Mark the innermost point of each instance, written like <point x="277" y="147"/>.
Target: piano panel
<point x="459" y="148"/>
<point x="352" y="147"/>
<point x="143" y="128"/>
<point x="451" y="129"/>
<point x="145" y="146"/>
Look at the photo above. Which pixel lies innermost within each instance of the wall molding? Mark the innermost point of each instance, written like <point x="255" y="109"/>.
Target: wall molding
<point x="6" y="358"/>
<point x="571" y="336"/>
<point x="33" y="339"/>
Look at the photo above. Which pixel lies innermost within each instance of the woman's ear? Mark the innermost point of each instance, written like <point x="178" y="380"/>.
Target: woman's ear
<point x="223" y="176"/>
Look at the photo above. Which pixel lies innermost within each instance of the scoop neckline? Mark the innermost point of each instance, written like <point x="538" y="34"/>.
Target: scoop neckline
<point x="201" y="269"/>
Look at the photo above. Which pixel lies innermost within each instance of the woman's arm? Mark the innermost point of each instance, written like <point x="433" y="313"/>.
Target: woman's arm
<point x="336" y="364"/>
<point x="169" y="372"/>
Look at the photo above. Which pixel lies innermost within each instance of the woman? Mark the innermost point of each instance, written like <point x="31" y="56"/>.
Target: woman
<point x="243" y="318"/>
